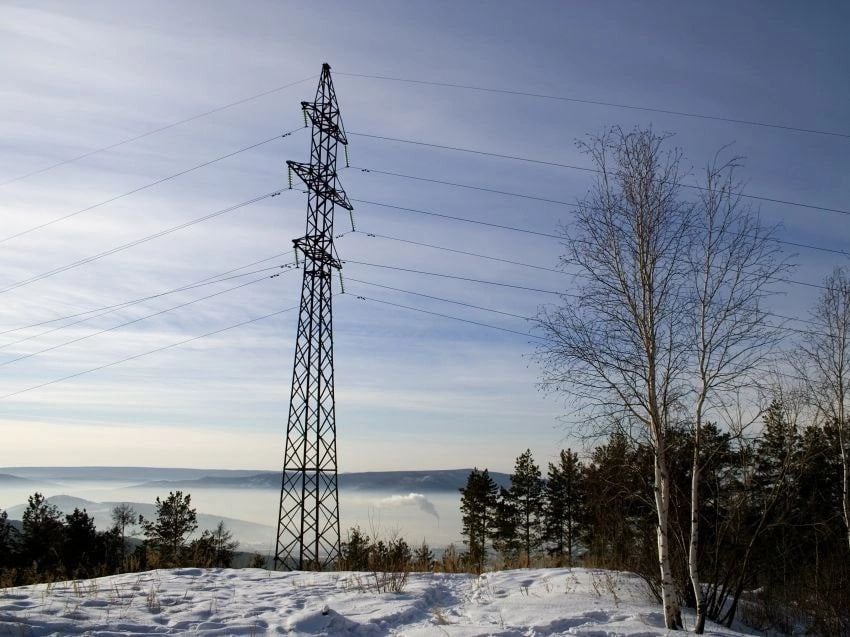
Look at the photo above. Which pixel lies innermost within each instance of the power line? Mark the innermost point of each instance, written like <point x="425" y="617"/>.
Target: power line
<point x="145" y="187"/>
<point x="109" y="309"/>
<point x="459" y="278"/>
<point x="464" y="252"/>
<point x="438" y="298"/>
<point x="585" y="169"/>
<point x="153" y="132"/>
<point x="104" y="310"/>
<point x="202" y="282"/>
<point x="136" y="320"/>
<point x="774" y="278"/>
<point x="555" y="292"/>
<point x="148" y="353"/>
<point x="430" y="180"/>
<point x="538" y="267"/>
<point x="555" y="270"/>
<point x="531" y="197"/>
<point x="580" y="274"/>
<point x="578" y="100"/>
<point x="132" y="244"/>
<point x="546" y="234"/>
<point x="528" y="318"/>
<point x="496" y="327"/>
<point x="447" y="316"/>
<point x="463" y="219"/>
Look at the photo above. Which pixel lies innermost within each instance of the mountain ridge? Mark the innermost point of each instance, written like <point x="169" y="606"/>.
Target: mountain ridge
<point x="436" y="480"/>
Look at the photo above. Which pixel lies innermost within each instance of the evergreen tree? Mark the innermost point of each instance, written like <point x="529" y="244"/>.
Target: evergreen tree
<point x="506" y="528"/>
<point x="175" y="521"/>
<point x="526" y="504"/>
<point x="478" y="504"/>
<point x="760" y="549"/>
<point x="110" y="551"/>
<point x="41" y="533"/>
<point x="819" y="486"/>
<point x="398" y="556"/>
<point x="423" y="557"/>
<point x="354" y="554"/>
<point x="224" y="546"/>
<point x="777" y="454"/>
<point x="80" y="548"/>
<point x="7" y="541"/>
<point x="214" y="548"/>
<point x="564" y="508"/>
<point x="619" y="512"/>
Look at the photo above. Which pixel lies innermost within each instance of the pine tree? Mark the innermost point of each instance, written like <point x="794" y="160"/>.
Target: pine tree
<point x="506" y="528"/>
<point x="354" y="554"/>
<point x="41" y="533"/>
<point x="7" y="541"/>
<point x="771" y="484"/>
<point x="175" y="521"/>
<point x="214" y="548"/>
<point x="79" y="550"/>
<point x="778" y="452"/>
<point x="423" y="557"/>
<point x="525" y="498"/>
<point x="564" y="507"/>
<point x="617" y="513"/>
<point x="478" y="504"/>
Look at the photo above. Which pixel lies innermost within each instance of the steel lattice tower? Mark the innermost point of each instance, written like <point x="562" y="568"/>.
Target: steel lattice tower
<point x="308" y="519"/>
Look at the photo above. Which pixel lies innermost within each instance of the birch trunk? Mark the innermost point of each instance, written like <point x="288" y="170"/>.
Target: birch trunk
<point x="693" y="548"/>
<point x="672" y="615"/>
<point x="845" y="461"/>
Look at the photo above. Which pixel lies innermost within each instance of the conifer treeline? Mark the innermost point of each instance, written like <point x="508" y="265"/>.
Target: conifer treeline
<point x="770" y="511"/>
<point x="50" y="546"/>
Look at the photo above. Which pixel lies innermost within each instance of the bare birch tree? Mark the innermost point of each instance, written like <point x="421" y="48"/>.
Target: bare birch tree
<point x="732" y="263"/>
<point x="824" y="361"/>
<point x="618" y="345"/>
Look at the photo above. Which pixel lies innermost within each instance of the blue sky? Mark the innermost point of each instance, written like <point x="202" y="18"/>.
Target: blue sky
<point x="413" y="390"/>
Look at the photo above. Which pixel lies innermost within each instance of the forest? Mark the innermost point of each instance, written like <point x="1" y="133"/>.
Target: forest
<point x="774" y="550"/>
<point x="48" y="546"/>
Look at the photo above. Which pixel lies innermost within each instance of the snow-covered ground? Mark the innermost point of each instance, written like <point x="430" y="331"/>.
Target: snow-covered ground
<point x="517" y="603"/>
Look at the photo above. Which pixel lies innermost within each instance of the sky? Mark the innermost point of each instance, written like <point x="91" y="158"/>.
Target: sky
<point x="413" y="390"/>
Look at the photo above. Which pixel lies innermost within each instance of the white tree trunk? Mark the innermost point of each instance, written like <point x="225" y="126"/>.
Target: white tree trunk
<point x="693" y="548"/>
<point x="845" y="490"/>
<point x="672" y="617"/>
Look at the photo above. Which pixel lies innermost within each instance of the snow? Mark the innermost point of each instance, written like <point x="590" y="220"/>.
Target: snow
<point x="528" y="603"/>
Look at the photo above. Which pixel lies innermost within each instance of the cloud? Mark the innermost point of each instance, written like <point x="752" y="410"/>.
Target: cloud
<point x="411" y="499"/>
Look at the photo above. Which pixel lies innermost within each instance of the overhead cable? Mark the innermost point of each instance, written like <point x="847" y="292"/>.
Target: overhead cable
<point x="90" y="315"/>
<point x="153" y="131"/>
<point x="579" y="100"/>
<point x="148" y="353"/>
<point x="145" y="187"/>
<point x="587" y="169"/>
<point x="132" y="244"/>
<point x="136" y="320"/>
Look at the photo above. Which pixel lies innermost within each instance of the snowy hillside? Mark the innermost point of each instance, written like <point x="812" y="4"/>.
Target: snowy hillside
<point x="257" y="602"/>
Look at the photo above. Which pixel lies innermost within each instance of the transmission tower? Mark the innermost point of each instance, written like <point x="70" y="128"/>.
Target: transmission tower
<point x="308" y="519"/>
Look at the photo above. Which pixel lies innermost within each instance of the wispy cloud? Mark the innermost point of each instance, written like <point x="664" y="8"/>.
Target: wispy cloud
<point x="88" y="75"/>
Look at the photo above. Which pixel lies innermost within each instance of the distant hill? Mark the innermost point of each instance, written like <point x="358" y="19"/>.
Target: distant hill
<point x="439" y="480"/>
<point x="7" y="479"/>
<point x="443" y="480"/>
